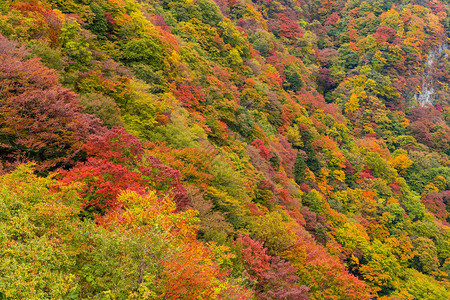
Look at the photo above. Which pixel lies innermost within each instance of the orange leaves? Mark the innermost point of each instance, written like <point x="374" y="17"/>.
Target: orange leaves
<point x="41" y="21"/>
<point x="194" y="164"/>
<point x="187" y="269"/>
<point x="325" y="275"/>
<point x="144" y="212"/>
<point x="370" y="144"/>
<point x="401" y="163"/>
<point x="191" y="274"/>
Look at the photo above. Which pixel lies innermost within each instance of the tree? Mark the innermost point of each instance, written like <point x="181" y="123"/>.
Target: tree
<point x="273" y="277"/>
<point x="146" y="50"/>
<point x="426" y="259"/>
<point x="35" y="260"/>
<point x="39" y="121"/>
<point x="116" y="163"/>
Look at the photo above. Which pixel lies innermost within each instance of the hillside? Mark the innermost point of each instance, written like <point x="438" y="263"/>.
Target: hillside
<point x="224" y="149"/>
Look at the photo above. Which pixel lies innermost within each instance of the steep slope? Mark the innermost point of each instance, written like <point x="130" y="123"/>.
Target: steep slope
<point x="273" y="150"/>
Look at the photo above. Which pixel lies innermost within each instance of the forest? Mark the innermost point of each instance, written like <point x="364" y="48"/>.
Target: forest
<point x="225" y="149"/>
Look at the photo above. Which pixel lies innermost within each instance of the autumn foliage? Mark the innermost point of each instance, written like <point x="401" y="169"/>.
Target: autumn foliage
<point x="216" y="149"/>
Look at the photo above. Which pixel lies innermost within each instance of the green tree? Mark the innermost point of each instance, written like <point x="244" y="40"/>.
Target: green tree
<point x="147" y="50"/>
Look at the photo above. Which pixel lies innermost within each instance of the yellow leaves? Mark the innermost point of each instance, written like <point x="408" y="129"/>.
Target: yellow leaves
<point x="325" y="188"/>
<point x="276" y="230"/>
<point x="353" y="260"/>
<point x="434" y="27"/>
<point x="310" y="176"/>
<point x="294" y="137"/>
<point x="429" y="188"/>
<point x="354" y="103"/>
<point x="440" y="182"/>
<point x="34" y="224"/>
<point x="337" y="160"/>
<point x="391" y="19"/>
<point x="339" y="175"/>
<point x="401" y="163"/>
<point x="401" y="117"/>
<point x="323" y="174"/>
<point x="369" y="44"/>
<point x="234" y="58"/>
<point x="320" y="115"/>
<point x="379" y="61"/>
<point x="420" y="286"/>
<point x="155" y="212"/>
<point x="222" y="254"/>
<point x="204" y="34"/>
<point x="352" y="236"/>
<point x="251" y="12"/>
<point x="401" y="248"/>
<point x="357" y="201"/>
<point x="357" y="81"/>
<point x="365" y="69"/>
<point x="368" y="128"/>
<point x="173" y="67"/>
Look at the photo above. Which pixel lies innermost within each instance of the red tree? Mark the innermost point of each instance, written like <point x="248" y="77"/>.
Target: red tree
<point x="39" y="121"/>
<point x="117" y="163"/>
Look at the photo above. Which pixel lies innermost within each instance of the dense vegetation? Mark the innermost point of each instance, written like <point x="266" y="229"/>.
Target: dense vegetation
<point x="227" y="149"/>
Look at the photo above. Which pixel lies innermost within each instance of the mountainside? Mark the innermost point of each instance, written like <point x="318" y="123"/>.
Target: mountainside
<point x="227" y="149"/>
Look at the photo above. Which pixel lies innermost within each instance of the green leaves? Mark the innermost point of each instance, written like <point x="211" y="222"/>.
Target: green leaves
<point x="147" y="50"/>
<point x="75" y="45"/>
<point x="35" y="258"/>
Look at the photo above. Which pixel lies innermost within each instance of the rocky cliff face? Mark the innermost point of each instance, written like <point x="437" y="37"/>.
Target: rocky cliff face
<point x="428" y="90"/>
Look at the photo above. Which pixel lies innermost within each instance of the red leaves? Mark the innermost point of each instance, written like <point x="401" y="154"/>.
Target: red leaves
<point x="116" y="145"/>
<point x="263" y="151"/>
<point x="349" y="170"/>
<point x="254" y="256"/>
<point x="40" y="120"/>
<point x="281" y="282"/>
<point x="287" y="154"/>
<point x="384" y="34"/>
<point x="117" y="164"/>
<point x="395" y="187"/>
<point x="289" y="28"/>
<point x="274" y="277"/>
<point x="325" y="80"/>
<point x="165" y="179"/>
<point x="112" y="23"/>
<point x="159" y="21"/>
<point x="365" y="174"/>
<point x="434" y="202"/>
<point x="189" y="96"/>
<point x="103" y="181"/>
<point x="428" y="127"/>
<point x="47" y="21"/>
